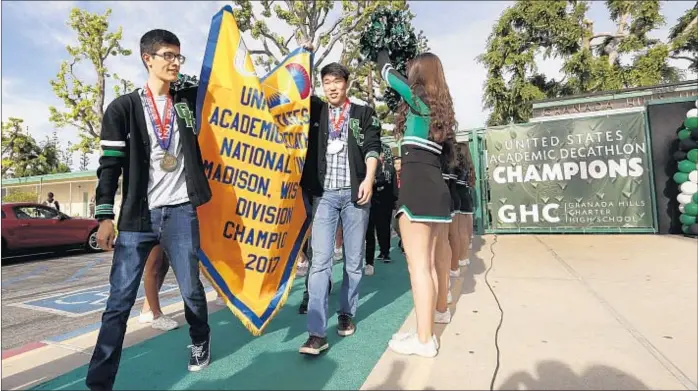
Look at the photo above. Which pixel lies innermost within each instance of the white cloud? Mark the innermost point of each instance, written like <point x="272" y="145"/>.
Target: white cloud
<point x="34" y="109"/>
<point x="456" y="43"/>
<point x="47" y="20"/>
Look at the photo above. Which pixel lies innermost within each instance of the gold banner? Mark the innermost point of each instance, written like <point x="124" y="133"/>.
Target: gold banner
<point x="253" y="138"/>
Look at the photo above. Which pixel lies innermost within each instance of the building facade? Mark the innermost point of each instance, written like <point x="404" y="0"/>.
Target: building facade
<point x="73" y="190"/>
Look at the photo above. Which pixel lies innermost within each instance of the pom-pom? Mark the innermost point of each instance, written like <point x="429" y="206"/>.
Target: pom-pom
<point x="184" y="81"/>
<point x="390" y="30"/>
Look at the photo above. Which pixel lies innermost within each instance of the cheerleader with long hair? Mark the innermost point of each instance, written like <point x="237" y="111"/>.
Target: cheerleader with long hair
<point x="425" y="125"/>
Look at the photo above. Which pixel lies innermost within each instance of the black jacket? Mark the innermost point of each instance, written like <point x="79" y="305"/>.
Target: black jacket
<point x="363" y="124"/>
<point x="126" y="151"/>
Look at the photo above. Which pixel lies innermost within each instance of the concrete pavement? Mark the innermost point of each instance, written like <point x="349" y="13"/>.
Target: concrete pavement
<point x="578" y="312"/>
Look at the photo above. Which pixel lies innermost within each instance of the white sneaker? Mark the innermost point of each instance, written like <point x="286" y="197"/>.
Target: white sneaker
<point x="449" y="298"/>
<point x="464" y="262"/>
<point x="410" y="345"/>
<point x="145" y="317"/>
<point x="369" y="270"/>
<point x="411" y="332"/>
<point x="338" y="255"/>
<point x="302" y="269"/>
<point x="219" y="301"/>
<point x="164" y="323"/>
<point x="442" y="317"/>
<point x="403" y="335"/>
<point x="454" y="273"/>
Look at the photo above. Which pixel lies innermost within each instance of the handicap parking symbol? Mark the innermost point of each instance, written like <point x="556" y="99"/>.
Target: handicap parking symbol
<point x="81" y="302"/>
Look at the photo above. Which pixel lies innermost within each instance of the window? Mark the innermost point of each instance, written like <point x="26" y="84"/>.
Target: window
<point x="35" y="212"/>
<point x="3" y="214"/>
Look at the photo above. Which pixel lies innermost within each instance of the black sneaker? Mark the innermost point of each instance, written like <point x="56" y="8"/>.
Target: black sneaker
<point x="385" y="258"/>
<point x="314" y="346"/>
<point x="303" y="309"/>
<point x="345" y="326"/>
<point x="200" y="355"/>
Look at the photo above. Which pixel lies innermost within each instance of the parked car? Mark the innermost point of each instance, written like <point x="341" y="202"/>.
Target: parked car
<point x="31" y="227"/>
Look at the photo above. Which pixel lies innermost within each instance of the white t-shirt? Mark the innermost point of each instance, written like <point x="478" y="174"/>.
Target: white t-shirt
<point x="164" y="188"/>
<point x="53" y="204"/>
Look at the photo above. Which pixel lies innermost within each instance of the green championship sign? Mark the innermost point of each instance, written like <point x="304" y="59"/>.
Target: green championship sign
<point x="575" y="173"/>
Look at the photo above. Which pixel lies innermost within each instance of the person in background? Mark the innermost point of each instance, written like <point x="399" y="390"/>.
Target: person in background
<point x="156" y="267"/>
<point x="397" y="163"/>
<point x="465" y="217"/>
<point x="303" y="263"/>
<point x="379" y="221"/>
<point x="92" y="207"/>
<point x="307" y="256"/>
<point x="50" y="201"/>
<point x="304" y="266"/>
<point x="338" y="254"/>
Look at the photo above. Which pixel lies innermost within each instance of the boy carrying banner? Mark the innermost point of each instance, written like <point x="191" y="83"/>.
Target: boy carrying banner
<point x="339" y="172"/>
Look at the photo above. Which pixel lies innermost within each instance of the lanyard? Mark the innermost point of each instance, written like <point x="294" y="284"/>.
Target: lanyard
<point x="162" y="133"/>
<point x="337" y="122"/>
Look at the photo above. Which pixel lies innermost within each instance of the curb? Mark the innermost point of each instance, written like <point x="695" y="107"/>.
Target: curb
<point x="22" y="349"/>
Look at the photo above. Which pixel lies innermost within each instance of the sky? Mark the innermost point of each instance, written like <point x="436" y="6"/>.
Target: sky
<point x="34" y="36"/>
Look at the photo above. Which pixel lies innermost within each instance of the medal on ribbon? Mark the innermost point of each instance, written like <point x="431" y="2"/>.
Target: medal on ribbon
<point x="163" y="132"/>
<point x="336" y="144"/>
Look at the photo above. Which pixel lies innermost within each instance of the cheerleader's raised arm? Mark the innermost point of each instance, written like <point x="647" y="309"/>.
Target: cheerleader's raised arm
<point x="399" y="83"/>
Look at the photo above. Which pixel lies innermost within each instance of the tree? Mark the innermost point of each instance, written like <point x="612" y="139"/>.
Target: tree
<point x="18" y="195"/>
<point x="65" y="155"/>
<point x="84" y="160"/>
<point x="592" y="61"/>
<point x="68" y="155"/>
<point x="23" y="156"/>
<point x="309" y="22"/>
<point x="683" y="38"/>
<point x="84" y="101"/>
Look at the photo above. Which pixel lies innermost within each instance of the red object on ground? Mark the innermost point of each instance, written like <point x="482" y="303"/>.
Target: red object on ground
<point x="22" y="349"/>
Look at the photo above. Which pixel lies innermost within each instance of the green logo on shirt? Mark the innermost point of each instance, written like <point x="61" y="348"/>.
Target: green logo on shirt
<point x="356" y="131"/>
<point x="184" y="113"/>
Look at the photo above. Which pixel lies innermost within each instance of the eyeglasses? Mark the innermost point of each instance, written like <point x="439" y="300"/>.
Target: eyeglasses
<point x="169" y="57"/>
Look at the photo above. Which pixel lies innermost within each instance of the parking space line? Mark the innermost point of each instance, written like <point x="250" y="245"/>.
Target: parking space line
<point x="84" y="270"/>
<point x="23" y="277"/>
<point x="89" y="300"/>
<point x="95" y="326"/>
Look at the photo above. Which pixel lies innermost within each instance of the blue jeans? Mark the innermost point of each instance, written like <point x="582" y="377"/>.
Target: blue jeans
<point x="176" y="228"/>
<point x="328" y="209"/>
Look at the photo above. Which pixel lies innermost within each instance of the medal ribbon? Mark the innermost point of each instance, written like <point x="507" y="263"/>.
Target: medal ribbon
<point x="337" y="122"/>
<point x="162" y="133"/>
